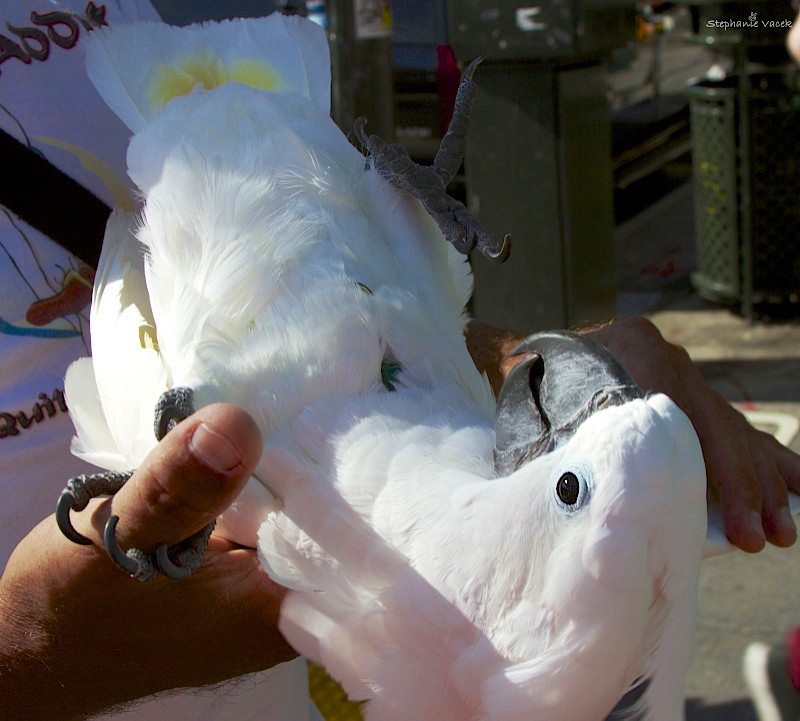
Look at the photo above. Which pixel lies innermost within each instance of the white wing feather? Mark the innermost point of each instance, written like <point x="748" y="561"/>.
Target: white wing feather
<point x="113" y="397"/>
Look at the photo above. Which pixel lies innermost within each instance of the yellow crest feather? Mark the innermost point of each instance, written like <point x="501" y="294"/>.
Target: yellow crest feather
<point x="208" y="71"/>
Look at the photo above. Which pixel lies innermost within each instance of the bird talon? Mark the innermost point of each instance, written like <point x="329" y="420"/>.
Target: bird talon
<point x="173" y="406"/>
<point x="358" y="127"/>
<point x="428" y="184"/>
<point x="67" y="503"/>
<point x="501" y="256"/>
<point x="189" y="553"/>
<point x="131" y="562"/>
<point x="168" y="568"/>
<point x="76" y="496"/>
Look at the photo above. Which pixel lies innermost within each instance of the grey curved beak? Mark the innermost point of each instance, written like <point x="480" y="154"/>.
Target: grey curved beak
<point x="566" y="379"/>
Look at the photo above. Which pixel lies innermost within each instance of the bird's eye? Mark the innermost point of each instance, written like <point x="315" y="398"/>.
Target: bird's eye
<point x="572" y="490"/>
<point x="568" y="488"/>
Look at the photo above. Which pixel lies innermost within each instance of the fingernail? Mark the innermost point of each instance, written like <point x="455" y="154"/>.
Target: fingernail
<point x="756" y="526"/>
<point x="787" y="521"/>
<point x="213" y="449"/>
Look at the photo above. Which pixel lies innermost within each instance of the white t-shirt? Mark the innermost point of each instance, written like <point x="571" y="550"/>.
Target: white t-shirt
<point x="47" y="102"/>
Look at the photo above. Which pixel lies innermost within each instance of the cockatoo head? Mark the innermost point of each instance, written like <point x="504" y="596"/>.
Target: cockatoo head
<point x="616" y="487"/>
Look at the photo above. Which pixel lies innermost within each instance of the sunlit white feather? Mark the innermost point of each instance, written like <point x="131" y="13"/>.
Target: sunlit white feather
<point x="278" y="273"/>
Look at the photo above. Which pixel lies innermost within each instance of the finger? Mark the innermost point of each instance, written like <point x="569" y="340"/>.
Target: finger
<point x="732" y="473"/>
<point x="491" y="350"/>
<point x="787" y="462"/>
<point x="749" y="484"/>
<point x="193" y="475"/>
<point x="776" y="516"/>
<point x="734" y="477"/>
<point x="738" y="473"/>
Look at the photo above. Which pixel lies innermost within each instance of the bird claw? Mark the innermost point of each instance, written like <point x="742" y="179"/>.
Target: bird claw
<point x="66" y="502"/>
<point x="501" y="256"/>
<point x="173" y="406"/>
<point x="174" y="562"/>
<point x="188" y="555"/>
<point x="79" y="491"/>
<point x="134" y="562"/>
<point x="428" y="184"/>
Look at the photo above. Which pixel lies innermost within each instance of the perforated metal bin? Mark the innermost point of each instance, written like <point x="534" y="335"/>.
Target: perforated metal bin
<point x="746" y="157"/>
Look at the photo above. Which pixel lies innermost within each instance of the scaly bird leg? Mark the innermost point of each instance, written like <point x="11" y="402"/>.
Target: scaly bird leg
<point x="429" y="183"/>
<point x="176" y="561"/>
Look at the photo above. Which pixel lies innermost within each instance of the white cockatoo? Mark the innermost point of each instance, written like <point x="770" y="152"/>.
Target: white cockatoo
<point x="450" y="557"/>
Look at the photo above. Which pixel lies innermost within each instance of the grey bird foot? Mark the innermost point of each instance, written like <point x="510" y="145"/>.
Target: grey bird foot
<point x="174" y="562"/>
<point x="429" y="183"/>
<point x="173" y="406"/>
<point x="79" y="491"/>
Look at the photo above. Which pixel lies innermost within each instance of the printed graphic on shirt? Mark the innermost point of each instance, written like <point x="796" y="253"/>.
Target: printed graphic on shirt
<point x="47" y="406"/>
<point x="25" y="44"/>
<point x="59" y="27"/>
<point x="47" y="300"/>
<point x="45" y="292"/>
<point x="34" y="43"/>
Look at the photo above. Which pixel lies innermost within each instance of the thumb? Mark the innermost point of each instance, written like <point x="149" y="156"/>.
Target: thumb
<point x="191" y="477"/>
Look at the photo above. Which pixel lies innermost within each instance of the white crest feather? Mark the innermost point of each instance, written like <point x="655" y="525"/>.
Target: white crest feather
<point x="137" y="69"/>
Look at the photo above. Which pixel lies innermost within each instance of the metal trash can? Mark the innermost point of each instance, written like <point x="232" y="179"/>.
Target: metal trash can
<point x="746" y="158"/>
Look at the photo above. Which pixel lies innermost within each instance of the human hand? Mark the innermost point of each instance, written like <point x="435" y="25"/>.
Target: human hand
<point x="78" y="634"/>
<point x="748" y="471"/>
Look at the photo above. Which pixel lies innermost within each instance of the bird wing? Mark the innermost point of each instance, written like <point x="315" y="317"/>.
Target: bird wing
<point x="112" y="396"/>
